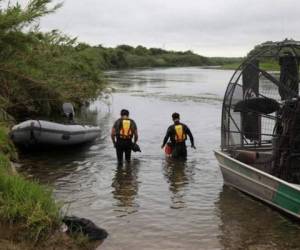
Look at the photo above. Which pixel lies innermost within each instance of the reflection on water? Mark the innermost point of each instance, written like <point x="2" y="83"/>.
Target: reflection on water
<point x="36" y="162"/>
<point x="125" y="186"/>
<point x="178" y="174"/>
<point x="154" y="203"/>
<point x="249" y="224"/>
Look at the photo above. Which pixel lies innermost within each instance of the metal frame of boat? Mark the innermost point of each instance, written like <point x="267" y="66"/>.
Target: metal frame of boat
<point x="249" y="176"/>
<point x="37" y="132"/>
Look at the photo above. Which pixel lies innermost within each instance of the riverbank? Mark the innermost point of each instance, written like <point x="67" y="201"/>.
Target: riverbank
<point x="38" y="72"/>
<point x="30" y="218"/>
<point x="55" y="241"/>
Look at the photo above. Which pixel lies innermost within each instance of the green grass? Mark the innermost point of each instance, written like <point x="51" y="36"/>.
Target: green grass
<point x="80" y="240"/>
<point x="268" y="66"/>
<point x="4" y="164"/>
<point x="28" y="204"/>
<point x="6" y="146"/>
<point x="230" y="66"/>
<point x="23" y="202"/>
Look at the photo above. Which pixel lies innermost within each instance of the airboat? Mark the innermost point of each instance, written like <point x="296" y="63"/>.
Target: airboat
<point x="260" y="130"/>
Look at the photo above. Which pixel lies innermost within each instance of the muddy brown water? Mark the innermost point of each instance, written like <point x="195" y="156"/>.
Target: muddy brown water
<point x="154" y="203"/>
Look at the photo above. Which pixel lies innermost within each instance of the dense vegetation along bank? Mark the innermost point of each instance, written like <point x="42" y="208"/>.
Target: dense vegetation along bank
<point x="38" y="72"/>
<point x="125" y="56"/>
<point x="29" y="216"/>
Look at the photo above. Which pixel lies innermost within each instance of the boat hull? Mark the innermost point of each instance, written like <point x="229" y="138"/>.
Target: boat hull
<point x="263" y="186"/>
<point x="36" y="132"/>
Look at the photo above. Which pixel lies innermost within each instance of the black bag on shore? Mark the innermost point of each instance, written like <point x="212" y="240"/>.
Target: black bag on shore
<point x="85" y="226"/>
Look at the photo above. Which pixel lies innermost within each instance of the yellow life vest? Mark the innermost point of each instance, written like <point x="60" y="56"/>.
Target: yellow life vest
<point x="125" y="131"/>
<point x="180" y="135"/>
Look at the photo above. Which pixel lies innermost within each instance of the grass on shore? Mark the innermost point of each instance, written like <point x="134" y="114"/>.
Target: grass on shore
<point x="29" y="204"/>
<point x="29" y="216"/>
<point x="268" y="66"/>
<point x="232" y="66"/>
<point x="6" y="146"/>
<point x="25" y="202"/>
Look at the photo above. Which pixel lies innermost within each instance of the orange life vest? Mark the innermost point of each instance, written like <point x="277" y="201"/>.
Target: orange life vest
<point x="125" y="130"/>
<point x="180" y="135"/>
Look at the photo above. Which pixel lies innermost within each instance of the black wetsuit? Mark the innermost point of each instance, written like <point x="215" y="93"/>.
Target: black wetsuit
<point x="179" y="148"/>
<point x="124" y="145"/>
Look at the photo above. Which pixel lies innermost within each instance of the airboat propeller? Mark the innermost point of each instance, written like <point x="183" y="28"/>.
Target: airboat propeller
<point x="261" y="107"/>
<point x="257" y="105"/>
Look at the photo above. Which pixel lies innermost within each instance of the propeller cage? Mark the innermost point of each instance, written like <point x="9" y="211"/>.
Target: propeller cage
<point x="249" y="116"/>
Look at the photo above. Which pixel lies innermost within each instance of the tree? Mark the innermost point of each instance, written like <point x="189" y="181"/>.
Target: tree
<point x="39" y="71"/>
<point x="141" y="51"/>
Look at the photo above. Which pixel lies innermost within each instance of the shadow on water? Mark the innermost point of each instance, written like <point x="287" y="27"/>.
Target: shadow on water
<point x="178" y="174"/>
<point x="249" y="224"/>
<point x="125" y="186"/>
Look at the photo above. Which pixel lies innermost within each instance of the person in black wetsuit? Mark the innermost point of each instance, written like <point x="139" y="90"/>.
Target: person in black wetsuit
<point x="177" y="133"/>
<point x="122" y="133"/>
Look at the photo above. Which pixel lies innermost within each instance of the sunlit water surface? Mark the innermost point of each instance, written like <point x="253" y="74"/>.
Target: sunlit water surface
<point x="154" y="203"/>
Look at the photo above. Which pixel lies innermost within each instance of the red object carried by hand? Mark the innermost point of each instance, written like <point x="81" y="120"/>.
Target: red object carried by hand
<point x="168" y="149"/>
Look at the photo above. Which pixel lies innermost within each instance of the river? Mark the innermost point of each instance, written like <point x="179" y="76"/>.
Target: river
<point x="154" y="203"/>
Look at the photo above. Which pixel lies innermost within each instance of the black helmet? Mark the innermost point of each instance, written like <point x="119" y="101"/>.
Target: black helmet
<point x="124" y="112"/>
<point x="175" y="116"/>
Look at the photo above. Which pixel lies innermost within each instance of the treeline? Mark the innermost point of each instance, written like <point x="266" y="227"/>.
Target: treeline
<point x="125" y="56"/>
<point x="225" y="60"/>
<point x="269" y="53"/>
<point x="39" y="71"/>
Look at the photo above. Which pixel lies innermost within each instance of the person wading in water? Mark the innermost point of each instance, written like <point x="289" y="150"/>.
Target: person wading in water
<point x="122" y="133"/>
<point x="178" y="134"/>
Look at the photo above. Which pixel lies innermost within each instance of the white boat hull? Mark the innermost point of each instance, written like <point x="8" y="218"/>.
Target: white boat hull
<point x="50" y="133"/>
